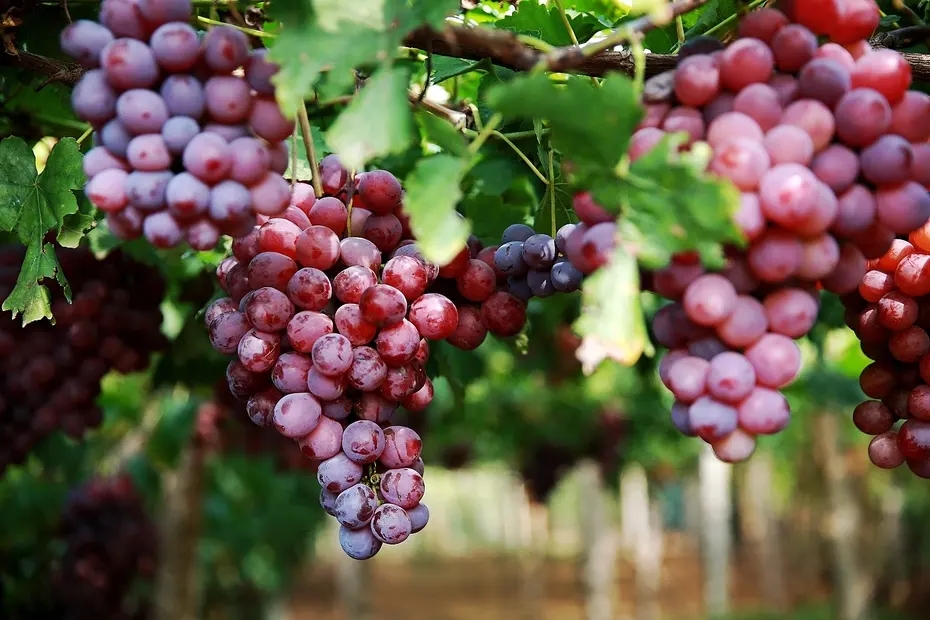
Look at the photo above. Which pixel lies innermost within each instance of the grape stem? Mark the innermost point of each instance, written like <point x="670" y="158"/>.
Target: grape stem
<point x="294" y="161"/>
<point x="725" y="24"/>
<point x="85" y="135"/>
<point x="551" y="187"/>
<point x="521" y="155"/>
<point x="679" y="30"/>
<point x="485" y="132"/>
<point x="566" y="23"/>
<point x="535" y="43"/>
<point x="639" y="62"/>
<point x="307" y="134"/>
<point x="249" y="31"/>
<point x="458" y="119"/>
<point x="910" y="13"/>
<point x="639" y="26"/>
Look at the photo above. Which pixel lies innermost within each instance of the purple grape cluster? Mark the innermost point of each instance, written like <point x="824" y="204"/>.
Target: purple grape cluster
<point x="50" y="373"/>
<point x="190" y="143"/>
<point x="110" y="541"/>
<point x="535" y="264"/>
<point x="828" y="149"/>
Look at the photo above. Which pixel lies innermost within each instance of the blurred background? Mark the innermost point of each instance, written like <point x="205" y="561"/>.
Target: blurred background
<point x="553" y="496"/>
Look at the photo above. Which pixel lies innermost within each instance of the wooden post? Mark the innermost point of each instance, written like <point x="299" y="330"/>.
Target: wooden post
<point x="177" y="586"/>
<point x="716" y="537"/>
<point x="599" y="562"/>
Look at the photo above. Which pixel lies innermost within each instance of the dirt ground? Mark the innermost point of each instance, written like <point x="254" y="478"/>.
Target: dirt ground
<point x="489" y="588"/>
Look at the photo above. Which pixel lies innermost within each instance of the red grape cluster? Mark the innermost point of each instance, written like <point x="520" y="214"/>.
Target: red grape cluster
<point x="829" y="150"/>
<point x="50" y="373"/>
<point x="110" y="542"/>
<point x="890" y="314"/>
<point x="329" y="342"/>
<point x="190" y="142"/>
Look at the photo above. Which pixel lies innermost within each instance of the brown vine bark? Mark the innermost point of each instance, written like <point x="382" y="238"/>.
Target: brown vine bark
<point x="505" y="50"/>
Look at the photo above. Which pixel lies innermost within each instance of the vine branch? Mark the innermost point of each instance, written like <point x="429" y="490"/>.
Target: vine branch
<point x="504" y="49"/>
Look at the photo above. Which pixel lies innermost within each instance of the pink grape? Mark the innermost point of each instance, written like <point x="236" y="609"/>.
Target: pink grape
<point x="711" y="419"/>
<point x="709" y="300"/>
<point x="296" y="415"/>
<point x="403" y="487"/>
<point x="324" y="441"/>
<point x="363" y="441"/>
<point x="745" y="325"/>
<point x="730" y="377"/>
<point x="763" y="412"/>
<point x="791" y="312"/>
<point x="687" y="378"/>
<point x="776" y="360"/>
<point x="735" y="447"/>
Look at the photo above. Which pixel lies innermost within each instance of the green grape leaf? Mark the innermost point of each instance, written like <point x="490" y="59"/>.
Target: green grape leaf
<point x="611" y="324"/>
<point x="32" y="204"/>
<point x="378" y="122"/>
<point x="555" y="206"/>
<point x="447" y="67"/>
<point x="490" y="215"/>
<point x="888" y="21"/>
<point x="302" y="171"/>
<point x="545" y="23"/>
<point x="432" y="192"/>
<point x="589" y="123"/>
<point x="670" y="205"/>
<point x="494" y="173"/>
<point x="29" y="297"/>
<point x="76" y="225"/>
<point x="710" y="15"/>
<point x="441" y="133"/>
<point x="336" y="37"/>
<point x="608" y="11"/>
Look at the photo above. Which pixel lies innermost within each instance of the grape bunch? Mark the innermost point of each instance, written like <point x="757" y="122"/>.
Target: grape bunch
<point x="190" y="143"/>
<point x="110" y="542"/>
<point x="50" y="373"/>
<point x="536" y="265"/>
<point x="329" y="342"/>
<point x="828" y="149"/>
<point x="890" y="314"/>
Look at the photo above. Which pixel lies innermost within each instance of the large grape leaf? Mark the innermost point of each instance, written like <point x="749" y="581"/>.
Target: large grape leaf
<point x="670" y="202"/>
<point x="608" y="11"/>
<point x="432" y="191"/>
<point x="31" y="205"/>
<point x="337" y="36"/>
<point x="611" y="322"/>
<point x="376" y="123"/>
<point x="710" y="15"/>
<point x="545" y="23"/>
<point x="589" y="123"/>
